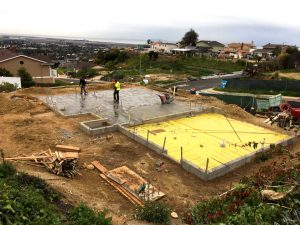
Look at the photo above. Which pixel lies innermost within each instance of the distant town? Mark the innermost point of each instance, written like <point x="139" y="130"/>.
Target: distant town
<point x="64" y="61"/>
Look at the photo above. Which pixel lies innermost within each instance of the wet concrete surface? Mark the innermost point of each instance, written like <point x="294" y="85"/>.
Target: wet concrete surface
<point x="136" y="104"/>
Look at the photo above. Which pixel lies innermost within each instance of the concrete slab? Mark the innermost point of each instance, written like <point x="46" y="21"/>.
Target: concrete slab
<point x="136" y="105"/>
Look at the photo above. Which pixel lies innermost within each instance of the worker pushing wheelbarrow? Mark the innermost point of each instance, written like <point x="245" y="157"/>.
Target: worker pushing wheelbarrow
<point x="166" y="98"/>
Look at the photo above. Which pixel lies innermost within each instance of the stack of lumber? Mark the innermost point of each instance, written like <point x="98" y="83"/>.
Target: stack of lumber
<point x="104" y="175"/>
<point x="62" y="161"/>
<point x="134" y="183"/>
<point x="129" y="184"/>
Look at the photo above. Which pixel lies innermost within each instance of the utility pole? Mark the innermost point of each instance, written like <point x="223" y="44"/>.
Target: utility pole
<point x="140" y="49"/>
<point x="140" y="63"/>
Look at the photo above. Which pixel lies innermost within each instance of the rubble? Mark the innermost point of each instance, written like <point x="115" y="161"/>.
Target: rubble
<point x="174" y="215"/>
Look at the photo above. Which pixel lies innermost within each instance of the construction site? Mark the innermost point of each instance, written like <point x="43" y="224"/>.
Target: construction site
<point x="176" y="148"/>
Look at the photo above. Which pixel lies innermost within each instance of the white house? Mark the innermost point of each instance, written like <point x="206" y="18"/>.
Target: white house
<point x="163" y="47"/>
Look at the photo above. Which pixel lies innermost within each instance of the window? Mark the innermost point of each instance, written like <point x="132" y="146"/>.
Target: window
<point x="21" y="62"/>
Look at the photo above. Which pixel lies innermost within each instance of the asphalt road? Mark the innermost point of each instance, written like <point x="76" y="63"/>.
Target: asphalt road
<point x="200" y="84"/>
<point x="204" y="84"/>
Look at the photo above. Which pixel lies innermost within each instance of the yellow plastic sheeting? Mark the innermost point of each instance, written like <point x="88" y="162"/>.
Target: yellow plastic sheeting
<point x="203" y="136"/>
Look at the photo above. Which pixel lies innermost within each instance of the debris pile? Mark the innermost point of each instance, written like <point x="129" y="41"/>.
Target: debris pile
<point x="63" y="161"/>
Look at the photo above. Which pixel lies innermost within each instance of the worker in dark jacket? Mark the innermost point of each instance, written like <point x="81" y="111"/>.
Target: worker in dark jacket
<point x="117" y="88"/>
<point x="82" y="84"/>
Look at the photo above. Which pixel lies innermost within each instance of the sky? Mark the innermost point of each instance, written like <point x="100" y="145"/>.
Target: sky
<point x="261" y="21"/>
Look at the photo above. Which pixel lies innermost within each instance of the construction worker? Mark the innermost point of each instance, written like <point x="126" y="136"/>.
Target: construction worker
<point x="82" y="84"/>
<point x="117" y="88"/>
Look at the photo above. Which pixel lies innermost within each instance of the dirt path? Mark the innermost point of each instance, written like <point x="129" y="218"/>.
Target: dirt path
<point x="295" y="76"/>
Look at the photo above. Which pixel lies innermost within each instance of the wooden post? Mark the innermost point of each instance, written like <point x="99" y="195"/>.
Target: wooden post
<point x="147" y="137"/>
<point x="164" y="143"/>
<point x="207" y="162"/>
<point x="129" y="118"/>
<point x="181" y="155"/>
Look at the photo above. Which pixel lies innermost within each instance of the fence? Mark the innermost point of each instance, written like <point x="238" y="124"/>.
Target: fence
<point x="275" y="85"/>
<point x="245" y="102"/>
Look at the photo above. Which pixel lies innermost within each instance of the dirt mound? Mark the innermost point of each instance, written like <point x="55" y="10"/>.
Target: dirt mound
<point x="14" y="105"/>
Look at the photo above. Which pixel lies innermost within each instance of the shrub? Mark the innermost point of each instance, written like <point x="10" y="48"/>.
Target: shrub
<point x="7" y="87"/>
<point x="7" y="170"/>
<point x="25" y="180"/>
<point x="5" y="73"/>
<point x="86" y="72"/>
<point x="83" y="215"/>
<point x="262" y="156"/>
<point x="154" y="212"/>
<point x="25" y="206"/>
<point x="26" y="79"/>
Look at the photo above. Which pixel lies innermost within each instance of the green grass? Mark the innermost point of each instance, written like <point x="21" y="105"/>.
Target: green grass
<point x="193" y="66"/>
<point x="261" y="92"/>
<point x="289" y="71"/>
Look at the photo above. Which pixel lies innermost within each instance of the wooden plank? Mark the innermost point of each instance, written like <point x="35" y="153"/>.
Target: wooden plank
<point x="133" y="182"/>
<point x="117" y="188"/>
<point x="120" y="188"/>
<point x="67" y="148"/>
<point x="57" y="155"/>
<point x="69" y="155"/>
<point x="123" y="191"/>
<point x="100" y="167"/>
<point x="116" y="179"/>
<point x="27" y="158"/>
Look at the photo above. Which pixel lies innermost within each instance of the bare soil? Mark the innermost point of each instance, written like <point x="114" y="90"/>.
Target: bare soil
<point x="295" y="76"/>
<point x="27" y="126"/>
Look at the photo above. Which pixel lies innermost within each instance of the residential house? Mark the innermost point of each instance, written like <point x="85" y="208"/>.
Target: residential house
<point x="239" y="50"/>
<point x="271" y="47"/>
<point x="39" y="69"/>
<point x="264" y="54"/>
<point x="214" y="47"/>
<point x="269" y="50"/>
<point x="187" y="50"/>
<point x="163" y="47"/>
<point x="280" y="47"/>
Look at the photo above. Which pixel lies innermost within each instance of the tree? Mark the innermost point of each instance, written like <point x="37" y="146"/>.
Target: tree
<point x="153" y="55"/>
<point x="190" y="38"/>
<point x="290" y="59"/>
<point x="277" y="51"/>
<point x="87" y="72"/>
<point x="5" y="73"/>
<point x="291" y="50"/>
<point x="26" y="79"/>
<point x="112" y="57"/>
